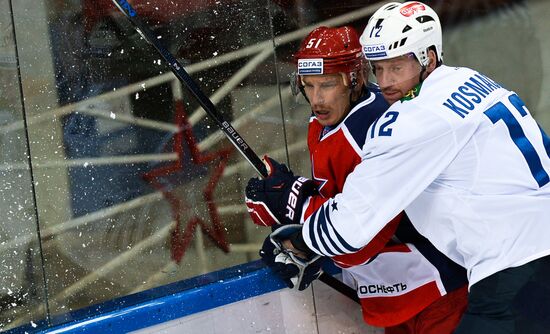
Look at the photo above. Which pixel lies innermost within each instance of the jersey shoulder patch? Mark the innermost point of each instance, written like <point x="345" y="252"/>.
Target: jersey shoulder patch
<point x="365" y="112"/>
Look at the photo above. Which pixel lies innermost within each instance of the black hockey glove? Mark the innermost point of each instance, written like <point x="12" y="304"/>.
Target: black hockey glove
<point x="296" y="272"/>
<point x="279" y="198"/>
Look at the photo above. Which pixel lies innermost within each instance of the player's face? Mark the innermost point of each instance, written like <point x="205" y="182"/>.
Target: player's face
<point x="397" y="76"/>
<point x="328" y="96"/>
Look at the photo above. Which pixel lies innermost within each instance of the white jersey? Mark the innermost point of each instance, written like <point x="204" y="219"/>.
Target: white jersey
<point x="469" y="165"/>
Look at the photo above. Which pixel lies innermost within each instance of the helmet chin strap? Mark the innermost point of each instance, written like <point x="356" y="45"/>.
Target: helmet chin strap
<point x="302" y="90"/>
<point x="300" y="84"/>
<point x="422" y="72"/>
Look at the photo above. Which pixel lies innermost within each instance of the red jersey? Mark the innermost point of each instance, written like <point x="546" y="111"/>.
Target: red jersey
<point x="399" y="272"/>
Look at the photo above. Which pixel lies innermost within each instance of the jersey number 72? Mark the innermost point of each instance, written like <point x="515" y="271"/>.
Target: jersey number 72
<point x="499" y="112"/>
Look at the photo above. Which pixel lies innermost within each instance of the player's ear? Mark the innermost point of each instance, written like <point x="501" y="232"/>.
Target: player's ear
<point x="433" y="59"/>
<point x="432" y="63"/>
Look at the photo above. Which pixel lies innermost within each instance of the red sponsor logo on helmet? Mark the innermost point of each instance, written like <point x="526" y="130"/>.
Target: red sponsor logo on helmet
<point x="412" y="9"/>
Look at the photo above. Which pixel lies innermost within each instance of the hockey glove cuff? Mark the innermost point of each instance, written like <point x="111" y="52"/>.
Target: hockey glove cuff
<point x="296" y="272"/>
<point x="279" y="198"/>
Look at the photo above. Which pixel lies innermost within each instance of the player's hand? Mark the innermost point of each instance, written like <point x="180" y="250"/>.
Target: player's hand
<point x="296" y="272"/>
<point x="279" y="198"/>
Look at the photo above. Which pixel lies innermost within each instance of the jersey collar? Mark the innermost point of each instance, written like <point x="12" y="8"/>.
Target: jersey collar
<point x="411" y="94"/>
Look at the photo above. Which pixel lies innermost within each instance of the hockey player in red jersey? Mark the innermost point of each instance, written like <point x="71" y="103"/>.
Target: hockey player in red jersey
<point x="465" y="159"/>
<point x="404" y="284"/>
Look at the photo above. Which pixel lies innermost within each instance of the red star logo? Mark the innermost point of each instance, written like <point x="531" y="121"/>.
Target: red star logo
<point x="180" y="239"/>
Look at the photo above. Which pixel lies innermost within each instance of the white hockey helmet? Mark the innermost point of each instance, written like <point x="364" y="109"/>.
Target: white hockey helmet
<point x="397" y="29"/>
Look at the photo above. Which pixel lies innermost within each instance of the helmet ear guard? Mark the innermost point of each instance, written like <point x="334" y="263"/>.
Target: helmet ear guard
<point x="352" y="79"/>
<point x="295" y="85"/>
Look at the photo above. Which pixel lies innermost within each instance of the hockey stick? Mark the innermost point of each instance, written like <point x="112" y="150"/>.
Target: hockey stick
<point x="210" y="109"/>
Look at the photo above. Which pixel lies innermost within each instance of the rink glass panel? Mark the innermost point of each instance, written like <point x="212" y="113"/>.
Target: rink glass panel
<point x="134" y="188"/>
<point x="22" y="289"/>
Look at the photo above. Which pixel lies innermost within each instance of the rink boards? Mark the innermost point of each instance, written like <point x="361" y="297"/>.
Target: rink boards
<point x="254" y="302"/>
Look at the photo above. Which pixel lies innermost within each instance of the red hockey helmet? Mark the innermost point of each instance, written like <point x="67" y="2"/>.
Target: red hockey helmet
<point x="330" y="50"/>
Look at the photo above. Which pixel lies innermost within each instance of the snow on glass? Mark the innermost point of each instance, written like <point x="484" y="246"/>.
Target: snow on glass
<point x="94" y="205"/>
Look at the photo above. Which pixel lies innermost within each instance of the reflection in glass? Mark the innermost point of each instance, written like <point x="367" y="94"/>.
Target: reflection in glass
<point x="147" y="191"/>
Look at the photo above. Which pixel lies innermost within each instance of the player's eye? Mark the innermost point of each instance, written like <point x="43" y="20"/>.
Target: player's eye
<point x="328" y="84"/>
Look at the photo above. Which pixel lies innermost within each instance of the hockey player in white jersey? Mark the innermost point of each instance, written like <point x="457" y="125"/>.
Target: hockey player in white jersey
<point x="460" y="154"/>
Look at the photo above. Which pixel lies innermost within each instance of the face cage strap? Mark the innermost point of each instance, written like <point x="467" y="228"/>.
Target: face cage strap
<point x="422" y="71"/>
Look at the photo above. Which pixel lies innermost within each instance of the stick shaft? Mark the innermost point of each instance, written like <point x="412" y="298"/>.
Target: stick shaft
<point x="211" y="110"/>
<point x="234" y="137"/>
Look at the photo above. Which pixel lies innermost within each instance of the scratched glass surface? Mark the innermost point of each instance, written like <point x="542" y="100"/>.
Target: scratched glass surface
<point x="22" y="289"/>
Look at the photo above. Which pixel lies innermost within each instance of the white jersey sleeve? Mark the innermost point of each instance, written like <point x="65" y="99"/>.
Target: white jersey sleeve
<point x="399" y="162"/>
